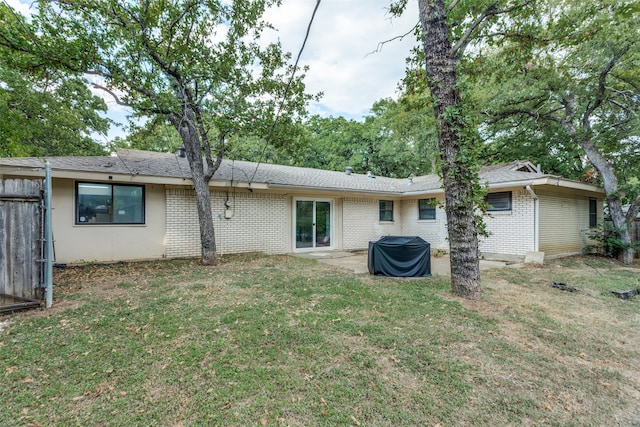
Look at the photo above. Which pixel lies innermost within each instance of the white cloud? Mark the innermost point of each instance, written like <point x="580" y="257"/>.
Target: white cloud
<point x="24" y="8"/>
<point x="341" y="50"/>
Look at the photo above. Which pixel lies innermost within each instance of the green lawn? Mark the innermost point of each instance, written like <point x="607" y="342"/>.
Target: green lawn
<point x="286" y="341"/>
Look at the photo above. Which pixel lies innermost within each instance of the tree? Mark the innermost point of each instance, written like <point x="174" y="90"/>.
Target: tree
<point x="406" y="133"/>
<point x="575" y="84"/>
<point x="198" y="64"/>
<point x="456" y="144"/>
<point x="446" y="33"/>
<point x="153" y="135"/>
<point x="44" y="111"/>
<point x="396" y="140"/>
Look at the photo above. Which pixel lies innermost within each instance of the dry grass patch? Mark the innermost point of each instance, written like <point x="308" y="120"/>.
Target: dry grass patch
<point x="286" y="341"/>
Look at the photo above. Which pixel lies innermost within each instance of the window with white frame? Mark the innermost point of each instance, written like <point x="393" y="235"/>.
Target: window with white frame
<point x="427" y="209"/>
<point x="497" y="202"/>
<point x="386" y="210"/>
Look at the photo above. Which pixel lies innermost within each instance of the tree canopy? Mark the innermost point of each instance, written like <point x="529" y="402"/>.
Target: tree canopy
<point x="199" y="65"/>
<point x="396" y="140"/>
<point x="45" y="111"/>
<point x="567" y="87"/>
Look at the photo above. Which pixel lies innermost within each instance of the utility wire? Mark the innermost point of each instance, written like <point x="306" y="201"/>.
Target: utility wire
<point x="286" y="93"/>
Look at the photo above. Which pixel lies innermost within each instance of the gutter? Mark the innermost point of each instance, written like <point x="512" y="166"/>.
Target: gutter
<point x="536" y="219"/>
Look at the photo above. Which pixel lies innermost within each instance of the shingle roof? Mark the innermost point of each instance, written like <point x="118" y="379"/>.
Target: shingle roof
<point x="167" y="165"/>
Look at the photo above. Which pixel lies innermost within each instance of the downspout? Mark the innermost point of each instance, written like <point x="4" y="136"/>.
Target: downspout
<point x="536" y="219"/>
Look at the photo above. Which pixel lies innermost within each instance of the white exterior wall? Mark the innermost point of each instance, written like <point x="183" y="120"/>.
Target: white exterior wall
<point x="511" y="232"/>
<point x="564" y="222"/>
<point x="258" y="223"/>
<point x="79" y="243"/>
<point x="183" y="232"/>
<point x="434" y="231"/>
<point x="361" y="222"/>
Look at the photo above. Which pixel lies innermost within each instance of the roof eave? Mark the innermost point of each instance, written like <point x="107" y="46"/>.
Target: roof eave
<point x="549" y="180"/>
<point x="333" y="190"/>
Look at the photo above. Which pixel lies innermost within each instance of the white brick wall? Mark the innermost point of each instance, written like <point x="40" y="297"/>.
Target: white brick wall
<point x="433" y="231"/>
<point x="511" y="232"/>
<point x="259" y="223"/>
<point x="262" y="223"/>
<point x="361" y="222"/>
<point x="183" y="232"/>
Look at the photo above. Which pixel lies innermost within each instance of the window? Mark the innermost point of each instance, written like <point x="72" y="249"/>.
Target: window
<point x="427" y="209"/>
<point x="593" y="212"/>
<point x="98" y="203"/>
<point x="386" y="210"/>
<point x="498" y="201"/>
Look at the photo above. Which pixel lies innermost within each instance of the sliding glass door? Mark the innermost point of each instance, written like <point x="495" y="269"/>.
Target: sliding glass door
<point x="313" y="224"/>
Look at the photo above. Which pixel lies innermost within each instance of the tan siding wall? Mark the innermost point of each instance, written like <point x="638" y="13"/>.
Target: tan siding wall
<point x="361" y="222"/>
<point x="86" y="242"/>
<point x="259" y="223"/>
<point x="564" y="222"/>
<point x="511" y="232"/>
<point x="433" y="231"/>
<point x="338" y="224"/>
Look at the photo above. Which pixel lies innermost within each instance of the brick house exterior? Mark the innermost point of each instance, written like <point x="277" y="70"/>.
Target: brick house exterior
<point x="281" y="209"/>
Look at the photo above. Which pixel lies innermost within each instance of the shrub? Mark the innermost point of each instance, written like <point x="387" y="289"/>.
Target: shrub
<point x="606" y="241"/>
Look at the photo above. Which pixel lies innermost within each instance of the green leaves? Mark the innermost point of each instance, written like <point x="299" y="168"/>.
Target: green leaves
<point x="47" y="114"/>
<point x="151" y="52"/>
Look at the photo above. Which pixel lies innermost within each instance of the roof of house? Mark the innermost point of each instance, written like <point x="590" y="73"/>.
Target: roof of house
<point x="152" y="165"/>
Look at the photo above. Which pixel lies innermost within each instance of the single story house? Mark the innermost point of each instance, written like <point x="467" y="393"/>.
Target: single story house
<point x="141" y="205"/>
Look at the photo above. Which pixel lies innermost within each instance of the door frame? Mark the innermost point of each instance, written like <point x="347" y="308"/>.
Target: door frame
<point x="331" y="223"/>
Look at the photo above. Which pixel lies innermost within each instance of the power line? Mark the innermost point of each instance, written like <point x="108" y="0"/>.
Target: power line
<point x="286" y="92"/>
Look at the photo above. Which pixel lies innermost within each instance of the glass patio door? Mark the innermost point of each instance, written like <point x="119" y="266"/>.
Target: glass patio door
<point x="313" y="224"/>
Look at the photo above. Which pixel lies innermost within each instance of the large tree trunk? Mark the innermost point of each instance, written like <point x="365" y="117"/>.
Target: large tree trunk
<point x="458" y="176"/>
<point x="610" y="184"/>
<point x="186" y="127"/>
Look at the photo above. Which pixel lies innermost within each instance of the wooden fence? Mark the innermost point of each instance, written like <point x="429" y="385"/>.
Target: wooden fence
<point x="20" y="239"/>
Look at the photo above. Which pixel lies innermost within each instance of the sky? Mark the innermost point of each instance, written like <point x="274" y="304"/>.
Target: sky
<point x="344" y="52"/>
<point x="346" y="61"/>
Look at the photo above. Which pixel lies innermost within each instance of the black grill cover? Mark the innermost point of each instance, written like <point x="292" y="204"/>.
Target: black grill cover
<point x="400" y="256"/>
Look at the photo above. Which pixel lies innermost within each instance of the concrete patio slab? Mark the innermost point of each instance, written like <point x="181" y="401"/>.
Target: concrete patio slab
<point x="357" y="261"/>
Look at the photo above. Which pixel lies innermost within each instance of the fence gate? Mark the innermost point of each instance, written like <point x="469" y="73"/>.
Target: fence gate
<point x="21" y="243"/>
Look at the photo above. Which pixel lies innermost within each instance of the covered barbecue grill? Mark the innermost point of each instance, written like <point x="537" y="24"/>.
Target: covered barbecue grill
<point x="400" y="256"/>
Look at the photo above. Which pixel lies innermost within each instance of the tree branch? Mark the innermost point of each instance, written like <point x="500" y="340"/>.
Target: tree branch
<point x="464" y="40"/>
<point x="631" y="111"/>
<point x="115" y="96"/>
<point x="586" y="117"/>
<point x="489" y="12"/>
<point x="400" y="37"/>
<point x="534" y="114"/>
<point x="633" y="211"/>
<point x="452" y="6"/>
